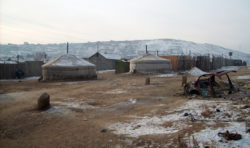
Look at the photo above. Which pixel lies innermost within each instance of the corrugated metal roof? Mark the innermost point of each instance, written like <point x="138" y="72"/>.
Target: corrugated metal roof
<point x="111" y="56"/>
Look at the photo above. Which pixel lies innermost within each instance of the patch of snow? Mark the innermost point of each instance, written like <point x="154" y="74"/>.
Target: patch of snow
<point x="229" y="68"/>
<point x="116" y="91"/>
<point x="133" y="101"/>
<point x="196" y="72"/>
<point x="24" y="79"/>
<point x="210" y="136"/>
<point x="106" y="71"/>
<point x="146" y="126"/>
<point x="68" y="61"/>
<point x="153" y="125"/>
<point x="196" y="107"/>
<point x="79" y="105"/>
<point x="243" y="77"/>
<point x="166" y="75"/>
<point x="57" y="110"/>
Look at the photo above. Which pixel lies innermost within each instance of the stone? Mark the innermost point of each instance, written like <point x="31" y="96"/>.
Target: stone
<point x="185" y="114"/>
<point x="104" y="130"/>
<point x="43" y="102"/>
<point x="217" y="110"/>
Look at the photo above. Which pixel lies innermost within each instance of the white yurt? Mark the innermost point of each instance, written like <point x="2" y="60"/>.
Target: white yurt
<point x="68" y="67"/>
<point x="150" y="64"/>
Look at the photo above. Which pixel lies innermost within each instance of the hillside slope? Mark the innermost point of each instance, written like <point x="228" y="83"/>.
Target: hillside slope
<point x="123" y="48"/>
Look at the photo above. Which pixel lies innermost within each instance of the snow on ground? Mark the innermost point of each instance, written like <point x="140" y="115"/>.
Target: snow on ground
<point x="25" y="79"/>
<point x="77" y="105"/>
<point x="219" y="110"/>
<point x="106" y="71"/>
<point x="229" y="68"/>
<point x="116" y="91"/>
<point x="166" y="75"/>
<point x="150" y="125"/>
<point x="210" y="136"/>
<point x="145" y="126"/>
<point x="72" y="103"/>
<point x="196" y="72"/>
<point x="243" y="77"/>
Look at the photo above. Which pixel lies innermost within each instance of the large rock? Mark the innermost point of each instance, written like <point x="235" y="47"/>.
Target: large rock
<point x="43" y="101"/>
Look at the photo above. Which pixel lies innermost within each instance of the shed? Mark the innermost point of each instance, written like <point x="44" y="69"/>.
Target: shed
<point x="104" y="61"/>
<point x="68" y="67"/>
<point x="150" y="64"/>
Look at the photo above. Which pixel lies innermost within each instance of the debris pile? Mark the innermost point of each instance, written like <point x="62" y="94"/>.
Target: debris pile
<point x="230" y="136"/>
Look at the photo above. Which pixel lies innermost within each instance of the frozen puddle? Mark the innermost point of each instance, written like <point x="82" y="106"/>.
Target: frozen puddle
<point x="195" y="109"/>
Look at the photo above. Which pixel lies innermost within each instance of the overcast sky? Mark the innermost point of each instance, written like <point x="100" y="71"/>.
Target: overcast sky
<point x="222" y="22"/>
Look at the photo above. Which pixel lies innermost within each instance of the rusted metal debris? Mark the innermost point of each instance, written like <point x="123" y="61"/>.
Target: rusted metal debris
<point x="230" y="136"/>
<point x="211" y="84"/>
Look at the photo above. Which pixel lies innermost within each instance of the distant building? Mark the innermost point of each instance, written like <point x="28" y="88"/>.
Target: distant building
<point x="104" y="61"/>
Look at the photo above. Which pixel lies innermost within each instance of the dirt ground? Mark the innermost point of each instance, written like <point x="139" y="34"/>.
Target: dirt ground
<point x="82" y="112"/>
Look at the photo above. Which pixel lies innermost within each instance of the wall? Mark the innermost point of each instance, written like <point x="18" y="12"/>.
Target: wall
<point x="203" y="63"/>
<point x="174" y="61"/>
<point x="185" y="63"/>
<point x="101" y="62"/>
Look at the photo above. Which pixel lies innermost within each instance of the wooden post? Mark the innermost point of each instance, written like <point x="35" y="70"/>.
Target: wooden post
<point x="147" y="81"/>
<point x="184" y="79"/>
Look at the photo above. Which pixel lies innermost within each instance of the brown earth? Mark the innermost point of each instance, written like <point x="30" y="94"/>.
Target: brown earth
<point x="21" y="125"/>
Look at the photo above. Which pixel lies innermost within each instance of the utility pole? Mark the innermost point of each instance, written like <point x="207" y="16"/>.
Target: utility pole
<point x="18" y="58"/>
<point x="146" y="49"/>
<point x="230" y="55"/>
<point x="67" y="47"/>
<point x="157" y="52"/>
<point x="97" y="46"/>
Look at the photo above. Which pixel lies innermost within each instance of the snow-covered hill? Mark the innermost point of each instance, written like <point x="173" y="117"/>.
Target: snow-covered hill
<point x="123" y="48"/>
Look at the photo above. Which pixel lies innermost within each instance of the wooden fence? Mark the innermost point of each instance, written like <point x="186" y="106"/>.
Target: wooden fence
<point x="205" y="63"/>
<point x="30" y="68"/>
<point x="174" y="62"/>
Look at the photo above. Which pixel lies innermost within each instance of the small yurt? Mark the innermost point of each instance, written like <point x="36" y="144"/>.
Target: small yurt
<point x="150" y="64"/>
<point x="68" y="67"/>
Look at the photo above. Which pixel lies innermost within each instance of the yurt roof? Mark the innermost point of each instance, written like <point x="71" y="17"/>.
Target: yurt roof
<point x="149" y="58"/>
<point x="68" y="60"/>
